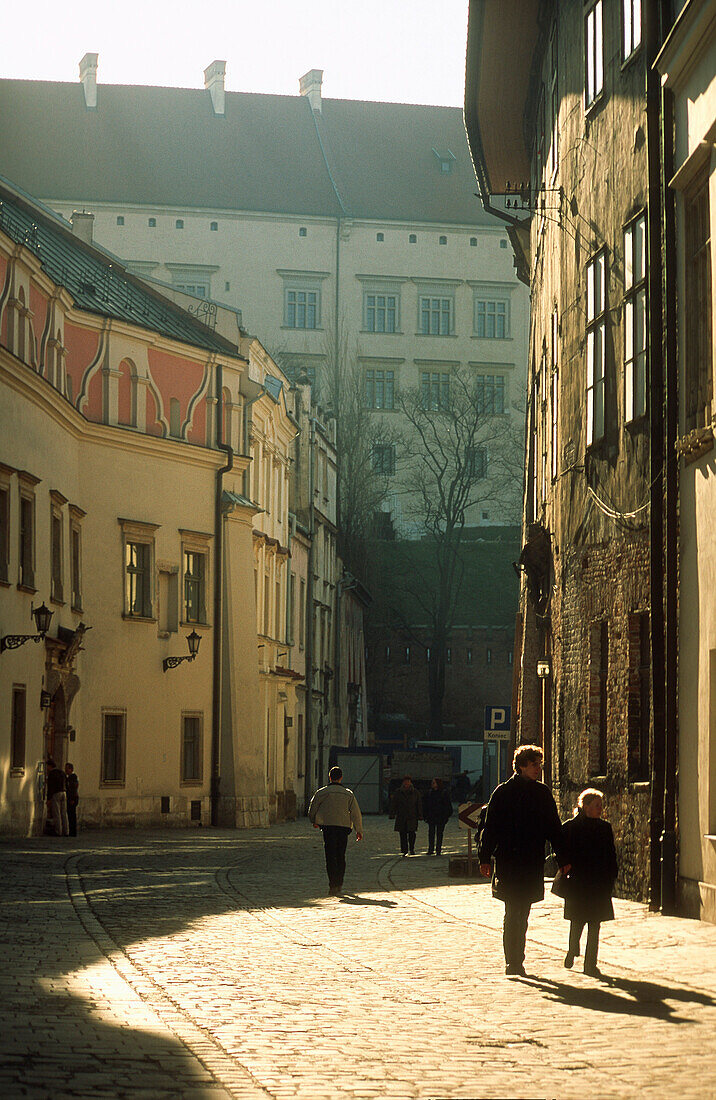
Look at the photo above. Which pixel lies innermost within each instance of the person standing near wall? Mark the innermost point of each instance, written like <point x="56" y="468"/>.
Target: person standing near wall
<point x="408" y="810"/>
<point x="73" y="797"/>
<point x="57" y="798"/>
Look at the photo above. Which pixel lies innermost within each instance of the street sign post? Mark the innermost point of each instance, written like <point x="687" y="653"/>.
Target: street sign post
<point x="498" y="722"/>
<point x="467" y="815"/>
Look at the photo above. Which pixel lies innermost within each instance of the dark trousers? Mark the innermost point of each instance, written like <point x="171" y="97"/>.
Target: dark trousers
<point x="335" y="838"/>
<point x="72" y="817"/>
<point x="407" y="842"/>
<point x="514" y="932"/>
<point x="576" y="927"/>
<point x="435" y="836"/>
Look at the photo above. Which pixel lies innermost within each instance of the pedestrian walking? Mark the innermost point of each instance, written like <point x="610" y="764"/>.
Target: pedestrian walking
<point x="589" y="842"/>
<point x="521" y="816"/>
<point x="407" y="808"/>
<point x="57" y="798"/>
<point x="73" y="797"/>
<point x="437" y="810"/>
<point x="334" y="809"/>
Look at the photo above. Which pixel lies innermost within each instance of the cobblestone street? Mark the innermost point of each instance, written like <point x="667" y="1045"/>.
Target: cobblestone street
<point x="213" y="964"/>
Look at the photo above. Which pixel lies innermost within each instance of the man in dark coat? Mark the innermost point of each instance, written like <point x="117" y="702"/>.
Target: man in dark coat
<point x="73" y="796"/>
<point x="521" y="816"/>
<point x="407" y="809"/>
<point x="437" y="809"/>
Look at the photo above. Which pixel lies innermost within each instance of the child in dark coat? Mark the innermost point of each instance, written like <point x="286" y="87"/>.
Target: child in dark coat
<point x="589" y="842"/>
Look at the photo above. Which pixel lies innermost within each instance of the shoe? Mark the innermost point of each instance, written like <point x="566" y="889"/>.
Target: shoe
<point x="412" y="851"/>
<point x="569" y="960"/>
<point x="430" y="852"/>
<point x="334" y="891"/>
<point x="516" y="970"/>
<point x="404" y="854"/>
<point x="593" y="972"/>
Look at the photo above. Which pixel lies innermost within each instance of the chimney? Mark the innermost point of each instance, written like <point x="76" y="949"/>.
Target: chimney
<point x="88" y="78"/>
<point x="83" y="225"/>
<point x="214" y="84"/>
<point x="310" y="85"/>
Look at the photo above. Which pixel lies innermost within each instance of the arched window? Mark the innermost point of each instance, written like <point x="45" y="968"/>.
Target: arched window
<point x="152" y="223"/>
<point x="214" y="227"/>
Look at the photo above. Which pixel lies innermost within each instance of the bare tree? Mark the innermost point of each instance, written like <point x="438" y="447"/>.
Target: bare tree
<point x="456" y="456"/>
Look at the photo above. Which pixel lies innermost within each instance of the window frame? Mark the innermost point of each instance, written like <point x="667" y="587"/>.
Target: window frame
<point x="477" y="469"/>
<point x="493" y="386"/>
<point x="634" y="7"/>
<point x="135" y="532"/>
<point x="184" y="779"/>
<point x="482" y="316"/>
<point x="379" y="388"/>
<point x="57" y="548"/>
<point x="595" y="349"/>
<point x="434" y="388"/>
<point x="698" y="292"/>
<point x="120" y="756"/>
<point x="444" y="312"/>
<point x="635" y="307"/>
<point x="27" y="563"/>
<point x="18" y="737"/>
<point x="379" y="453"/>
<point x="593" y="54"/>
<point x="372" y="310"/>
<point x="5" y="523"/>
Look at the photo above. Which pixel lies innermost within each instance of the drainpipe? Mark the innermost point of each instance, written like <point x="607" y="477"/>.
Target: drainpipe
<point x="308" y="778"/>
<point x="661" y="841"/>
<point x="669" y="859"/>
<point x="218" y="600"/>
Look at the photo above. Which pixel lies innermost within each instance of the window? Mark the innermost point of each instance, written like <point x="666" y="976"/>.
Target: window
<point x="473" y="242"/>
<point x="17" y="740"/>
<point x="380" y="389"/>
<point x="302" y="615"/>
<point x="407" y="655"/>
<point x="510" y="657"/>
<point x="639" y="698"/>
<point x="596" y="332"/>
<point x="413" y="238"/>
<point x="554" y="442"/>
<point x="179" y="223"/>
<point x="152" y="223"/>
<point x="214" y="226"/>
<point x="277" y="610"/>
<point x="301" y="309"/>
<point x="380" y="312"/>
<point x="490" y="394"/>
<point x="697" y="303"/>
<point x="4" y="533"/>
<point x="476" y="462"/>
<point x="227" y="286"/>
<point x="191" y="769"/>
<point x="492" y="318"/>
<point x="443" y="240"/>
<point x="138" y="579"/>
<point x="598" y="679"/>
<point x="635" y="318"/>
<point x="120" y="219"/>
<point x="503" y="242"/>
<point x="631" y="27"/>
<point x="468" y="655"/>
<point x="380" y="237"/>
<point x="303" y="232"/>
<point x="27" y="539"/>
<point x="448" y="656"/>
<point x="488" y="656"/>
<point x="197" y="290"/>
<point x="427" y="655"/>
<point x="436" y="316"/>
<point x="383" y="459"/>
<point x="594" y="54"/>
<point x="387" y="655"/>
<point x="434" y="389"/>
<point x="553" y="108"/>
<point x="113" y="747"/>
<point x="138" y="558"/>
<point x="56" y="556"/>
<point x="194" y="587"/>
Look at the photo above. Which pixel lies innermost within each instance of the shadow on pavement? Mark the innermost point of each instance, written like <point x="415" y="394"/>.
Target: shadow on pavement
<point x="626" y="996"/>
<point x="354" y="899"/>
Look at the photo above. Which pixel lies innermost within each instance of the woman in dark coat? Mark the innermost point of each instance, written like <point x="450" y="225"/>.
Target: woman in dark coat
<point x="590" y="844"/>
<point x="437" y="809"/>
<point x="407" y="809"/>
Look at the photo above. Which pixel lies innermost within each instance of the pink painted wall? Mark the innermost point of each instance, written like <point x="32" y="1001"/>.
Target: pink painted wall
<point x="81" y="345"/>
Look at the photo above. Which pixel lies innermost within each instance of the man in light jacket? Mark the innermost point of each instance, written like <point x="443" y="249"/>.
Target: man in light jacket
<point x="335" y="810"/>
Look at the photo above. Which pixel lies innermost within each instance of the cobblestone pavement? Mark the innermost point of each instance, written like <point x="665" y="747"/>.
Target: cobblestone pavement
<point x="211" y="964"/>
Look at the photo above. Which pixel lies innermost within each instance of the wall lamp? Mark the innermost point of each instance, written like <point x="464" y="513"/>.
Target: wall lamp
<point x="543" y="669"/>
<point x="192" y="641"/>
<point x="42" y="616"/>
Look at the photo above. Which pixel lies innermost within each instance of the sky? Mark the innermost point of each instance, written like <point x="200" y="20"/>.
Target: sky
<point x="406" y="51"/>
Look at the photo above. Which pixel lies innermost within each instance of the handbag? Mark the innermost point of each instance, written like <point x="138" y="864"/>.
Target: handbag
<point x="560" y="884"/>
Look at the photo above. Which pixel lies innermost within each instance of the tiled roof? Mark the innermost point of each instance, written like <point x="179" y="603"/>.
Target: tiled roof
<point x="97" y="280"/>
<point x="164" y="146"/>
